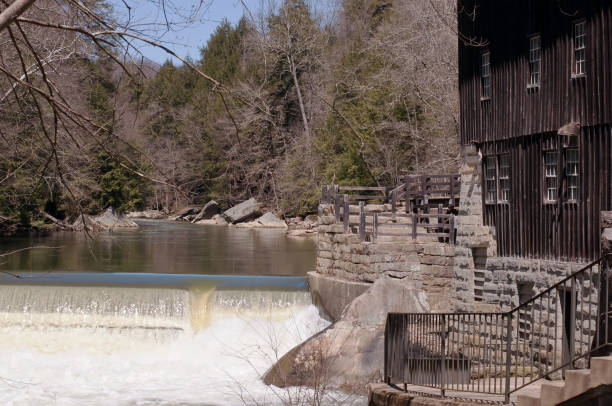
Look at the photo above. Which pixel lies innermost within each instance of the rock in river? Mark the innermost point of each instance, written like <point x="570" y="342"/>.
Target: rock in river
<point x="350" y="353"/>
<point x="110" y="219"/>
<point x="147" y="214"/>
<point x="244" y="211"/>
<point x="268" y="220"/>
<point x="208" y="211"/>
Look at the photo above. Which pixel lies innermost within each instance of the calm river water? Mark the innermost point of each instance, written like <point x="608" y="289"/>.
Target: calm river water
<point x="166" y="247"/>
<point x="169" y="314"/>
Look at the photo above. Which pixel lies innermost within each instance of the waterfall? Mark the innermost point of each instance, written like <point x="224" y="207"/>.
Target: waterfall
<point x="124" y="338"/>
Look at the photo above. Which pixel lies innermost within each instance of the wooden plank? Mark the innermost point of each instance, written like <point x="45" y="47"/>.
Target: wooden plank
<point x="362" y="188"/>
<point x="366" y="197"/>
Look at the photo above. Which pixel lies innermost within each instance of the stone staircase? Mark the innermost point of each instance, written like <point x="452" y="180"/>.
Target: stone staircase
<point x="576" y="382"/>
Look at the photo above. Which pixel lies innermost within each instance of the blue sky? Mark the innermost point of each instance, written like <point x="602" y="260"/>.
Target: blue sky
<point x="187" y="40"/>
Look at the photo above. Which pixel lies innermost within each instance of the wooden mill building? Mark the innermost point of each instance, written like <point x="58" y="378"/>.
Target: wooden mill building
<point x="536" y="102"/>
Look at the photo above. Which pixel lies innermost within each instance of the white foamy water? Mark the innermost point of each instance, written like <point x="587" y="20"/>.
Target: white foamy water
<point x="66" y="345"/>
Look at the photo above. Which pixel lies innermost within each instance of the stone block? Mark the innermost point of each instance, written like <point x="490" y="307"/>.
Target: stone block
<point x="606" y="219"/>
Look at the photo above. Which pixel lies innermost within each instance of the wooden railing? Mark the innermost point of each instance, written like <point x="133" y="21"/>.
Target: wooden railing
<point x="415" y="192"/>
<point x="372" y="225"/>
<point x="499" y="353"/>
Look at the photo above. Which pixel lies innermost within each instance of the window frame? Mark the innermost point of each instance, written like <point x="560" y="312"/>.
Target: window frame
<point x="576" y="72"/>
<point x="531" y="84"/>
<point x="566" y="163"/>
<point x="545" y="190"/>
<point x="488" y="179"/>
<point x="507" y="176"/>
<point x="497" y="179"/>
<point x="485" y="95"/>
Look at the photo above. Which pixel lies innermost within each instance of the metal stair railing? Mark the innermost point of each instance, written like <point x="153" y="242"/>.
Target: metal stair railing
<point x="499" y="353"/>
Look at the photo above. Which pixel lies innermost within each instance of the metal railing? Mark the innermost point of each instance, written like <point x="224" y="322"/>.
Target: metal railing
<point x="499" y="353"/>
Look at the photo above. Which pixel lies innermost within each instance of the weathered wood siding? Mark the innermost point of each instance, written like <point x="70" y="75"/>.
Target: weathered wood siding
<point x="513" y="110"/>
<point x="523" y="122"/>
<point x="527" y="226"/>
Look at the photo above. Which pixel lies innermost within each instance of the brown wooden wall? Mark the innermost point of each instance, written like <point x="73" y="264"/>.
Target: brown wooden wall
<point x="513" y="110"/>
<point x="528" y="227"/>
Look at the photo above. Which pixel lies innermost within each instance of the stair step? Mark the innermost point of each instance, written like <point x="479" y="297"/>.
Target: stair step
<point x="551" y="393"/>
<point x="577" y="381"/>
<point x="528" y="399"/>
<point x="601" y="371"/>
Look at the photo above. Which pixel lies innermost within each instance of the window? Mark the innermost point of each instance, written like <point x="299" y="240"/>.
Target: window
<point x="491" y="179"/>
<point x="572" y="161"/>
<point x="497" y="178"/>
<point x="550" y="176"/>
<point x="579" y="48"/>
<point x="534" y="61"/>
<point x="504" y="177"/>
<point x="485" y="75"/>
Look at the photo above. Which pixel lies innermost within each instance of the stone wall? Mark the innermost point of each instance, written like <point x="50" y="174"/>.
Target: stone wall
<point x="427" y="263"/>
<point x="474" y="241"/>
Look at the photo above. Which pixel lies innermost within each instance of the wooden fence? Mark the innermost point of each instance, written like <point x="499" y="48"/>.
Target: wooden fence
<point x="415" y="192"/>
<point x="372" y="225"/>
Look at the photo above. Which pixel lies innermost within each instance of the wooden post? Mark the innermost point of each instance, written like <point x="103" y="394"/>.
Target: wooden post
<point x="375" y="228"/>
<point x="393" y="201"/>
<point x="451" y="202"/>
<point x="407" y="195"/>
<point x="362" y="223"/>
<point x="386" y="195"/>
<point x="346" y="214"/>
<point x="336" y="204"/>
<point x="323" y="194"/>
<point x="451" y="229"/>
<point x="414" y="226"/>
<point x="440" y="219"/>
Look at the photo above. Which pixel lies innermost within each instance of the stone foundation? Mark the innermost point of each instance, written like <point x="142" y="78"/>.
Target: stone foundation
<point x="429" y="264"/>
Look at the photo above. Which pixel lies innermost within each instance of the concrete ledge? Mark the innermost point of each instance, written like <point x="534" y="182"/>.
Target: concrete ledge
<point x="334" y="294"/>
<point x="380" y="394"/>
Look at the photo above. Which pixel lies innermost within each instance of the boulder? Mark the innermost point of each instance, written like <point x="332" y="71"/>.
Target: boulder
<point x="216" y="220"/>
<point x="311" y="221"/>
<point x="244" y="211"/>
<point x="113" y="219"/>
<point x="147" y="214"/>
<point x="110" y="219"/>
<point x="208" y="211"/>
<point x="187" y="211"/>
<point x="350" y="353"/>
<point x="270" y="220"/>
<point x="302" y="233"/>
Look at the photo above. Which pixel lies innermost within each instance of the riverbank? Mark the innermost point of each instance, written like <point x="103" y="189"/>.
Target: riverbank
<point x="248" y="214"/>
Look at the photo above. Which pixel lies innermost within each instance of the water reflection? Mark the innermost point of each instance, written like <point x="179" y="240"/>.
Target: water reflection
<point x="166" y="247"/>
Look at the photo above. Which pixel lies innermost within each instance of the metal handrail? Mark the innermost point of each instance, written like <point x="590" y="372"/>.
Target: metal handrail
<point x="557" y="329"/>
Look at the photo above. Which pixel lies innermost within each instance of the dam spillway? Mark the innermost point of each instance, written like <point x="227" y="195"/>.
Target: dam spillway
<point x="79" y="339"/>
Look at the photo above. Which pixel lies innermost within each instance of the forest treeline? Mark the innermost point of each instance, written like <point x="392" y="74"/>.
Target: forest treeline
<point x="359" y="93"/>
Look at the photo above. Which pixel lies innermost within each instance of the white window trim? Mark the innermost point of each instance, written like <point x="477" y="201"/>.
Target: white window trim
<point x="506" y="177"/>
<point x="488" y="75"/>
<point x="488" y="179"/>
<point x="577" y="175"/>
<point x="530" y="84"/>
<point x="546" y="190"/>
<point x="575" y="73"/>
